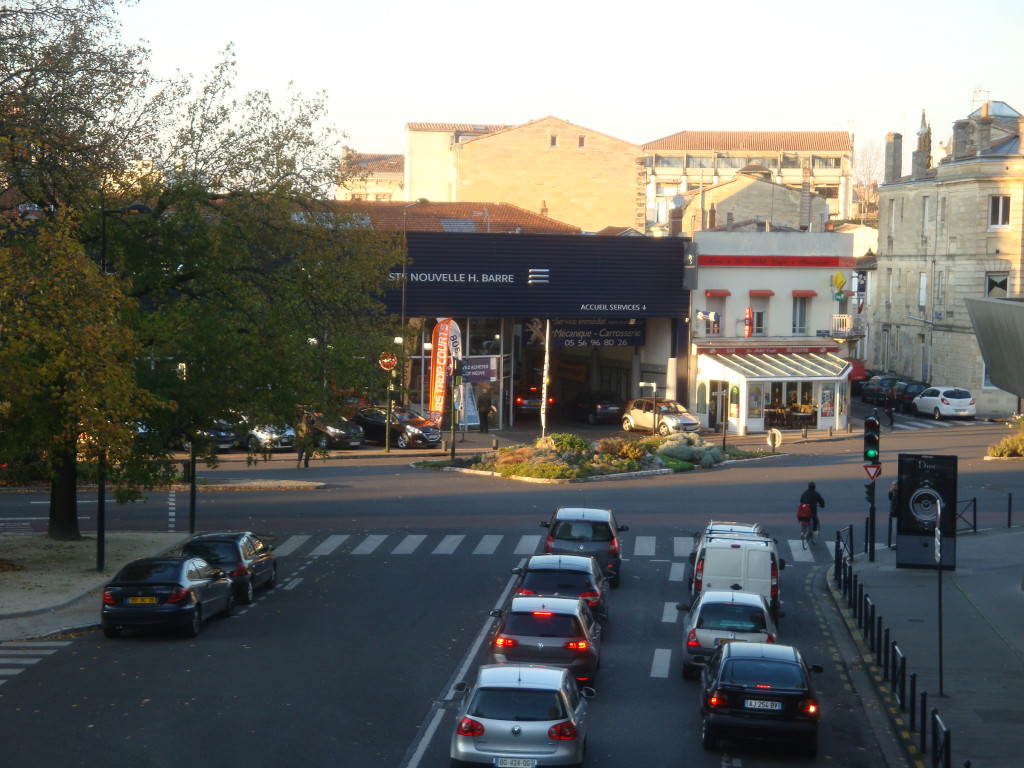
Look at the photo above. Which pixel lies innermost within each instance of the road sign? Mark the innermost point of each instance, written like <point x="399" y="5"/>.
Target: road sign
<point x="873" y="470"/>
<point x="387" y="361"/>
<point x="840" y="296"/>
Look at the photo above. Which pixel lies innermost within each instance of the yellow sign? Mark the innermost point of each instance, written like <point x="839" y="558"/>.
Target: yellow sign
<point x="838" y="281"/>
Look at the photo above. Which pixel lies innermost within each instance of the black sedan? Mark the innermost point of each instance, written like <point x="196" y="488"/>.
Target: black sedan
<point x="594" y="407"/>
<point x="759" y="691"/>
<point x="408" y="429"/>
<point x="166" y="593"/>
<point x="247" y="558"/>
<point x="338" y="432"/>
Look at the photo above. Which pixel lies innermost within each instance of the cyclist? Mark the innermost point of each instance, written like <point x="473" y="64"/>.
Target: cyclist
<point x="813" y="499"/>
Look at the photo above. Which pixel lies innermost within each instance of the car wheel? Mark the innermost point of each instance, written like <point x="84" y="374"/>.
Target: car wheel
<point x="112" y="632"/>
<point x="253" y="444"/>
<point x="627" y="425"/>
<point x="403" y="441"/>
<point x="591" y="418"/>
<point x="230" y="607"/>
<point x="664" y="429"/>
<point x="937" y="415"/>
<point x="272" y="581"/>
<point x="194" y="626"/>
<point x="248" y="592"/>
<point x="707" y="738"/>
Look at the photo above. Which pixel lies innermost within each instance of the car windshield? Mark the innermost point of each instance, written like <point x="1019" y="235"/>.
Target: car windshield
<point x="670" y="406"/>
<point x="523" y="705"/>
<point x="763" y="673"/>
<point x="541" y="625"/>
<point x="549" y="582"/>
<point x="731" y="617"/>
<point x="211" y="551"/>
<point x="582" y="530"/>
<point x="404" y="415"/>
<point x="153" y="570"/>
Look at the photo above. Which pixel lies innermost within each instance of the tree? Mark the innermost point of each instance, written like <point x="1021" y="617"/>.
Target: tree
<point x="867" y="174"/>
<point x="237" y="291"/>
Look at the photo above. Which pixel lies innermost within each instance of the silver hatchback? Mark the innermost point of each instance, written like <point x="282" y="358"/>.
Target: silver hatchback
<point x="718" y="617"/>
<point x="521" y="715"/>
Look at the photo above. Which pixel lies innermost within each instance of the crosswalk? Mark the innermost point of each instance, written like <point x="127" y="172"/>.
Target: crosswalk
<point x="674" y="549"/>
<point x="18" y="655"/>
<point x="907" y="422"/>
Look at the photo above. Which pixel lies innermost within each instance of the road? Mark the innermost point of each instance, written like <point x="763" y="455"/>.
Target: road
<point x="387" y="577"/>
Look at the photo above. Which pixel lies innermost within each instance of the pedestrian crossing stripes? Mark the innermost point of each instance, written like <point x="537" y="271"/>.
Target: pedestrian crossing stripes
<point x="18" y="655"/>
<point x="665" y="548"/>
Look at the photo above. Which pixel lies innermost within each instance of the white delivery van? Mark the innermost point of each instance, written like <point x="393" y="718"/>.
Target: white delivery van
<point x="737" y="563"/>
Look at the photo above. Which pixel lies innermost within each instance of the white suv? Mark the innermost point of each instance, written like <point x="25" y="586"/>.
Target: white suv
<point x="738" y="562"/>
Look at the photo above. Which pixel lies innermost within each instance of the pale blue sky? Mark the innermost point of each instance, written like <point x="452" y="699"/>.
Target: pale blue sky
<point x="636" y="71"/>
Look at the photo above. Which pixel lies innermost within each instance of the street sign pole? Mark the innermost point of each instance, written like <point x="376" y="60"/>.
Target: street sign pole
<point x="871" y="520"/>
<point x="938" y="565"/>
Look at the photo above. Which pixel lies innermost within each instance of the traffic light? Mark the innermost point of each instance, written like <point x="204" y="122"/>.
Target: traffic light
<point x="872" y="440"/>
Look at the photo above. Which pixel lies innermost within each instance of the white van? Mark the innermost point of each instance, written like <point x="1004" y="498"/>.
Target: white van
<point x="745" y="564"/>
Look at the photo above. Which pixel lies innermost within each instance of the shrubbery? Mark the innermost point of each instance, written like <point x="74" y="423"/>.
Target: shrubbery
<point x="1013" y="445"/>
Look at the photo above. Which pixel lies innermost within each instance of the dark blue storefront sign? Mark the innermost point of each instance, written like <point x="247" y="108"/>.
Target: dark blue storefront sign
<point x="549" y="276"/>
<point x="587" y="332"/>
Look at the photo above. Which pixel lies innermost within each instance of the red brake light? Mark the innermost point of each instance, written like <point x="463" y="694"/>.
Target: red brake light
<point x="542" y="613"/>
<point x="691" y="639"/>
<point x="764" y="686"/>
<point x="240" y="570"/>
<point x="577" y="645"/>
<point x="698" y="575"/>
<point x="718" y="699"/>
<point x="592" y="596"/>
<point x="562" y="732"/>
<point x="549" y="542"/>
<point x="108" y="596"/>
<point x="809" y="707"/>
<point x="519" y="401"/>
<point x="470" y="727"/>
<point x="505" y="642"/>
<point x="770" y="638"/>
<point x="613" y="547"/>
<point x="775" y="580"/>
<point x="178" y="594"/>
<point x="524" y="591"/>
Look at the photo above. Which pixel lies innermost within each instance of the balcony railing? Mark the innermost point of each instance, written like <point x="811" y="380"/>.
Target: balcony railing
<point x="849" y="326"/>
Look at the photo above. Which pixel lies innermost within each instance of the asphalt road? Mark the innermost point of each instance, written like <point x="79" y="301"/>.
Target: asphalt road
<point x="350" y="661"/>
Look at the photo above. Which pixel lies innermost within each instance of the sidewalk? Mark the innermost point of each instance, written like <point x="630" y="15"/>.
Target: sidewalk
<point x="982" y="663"/>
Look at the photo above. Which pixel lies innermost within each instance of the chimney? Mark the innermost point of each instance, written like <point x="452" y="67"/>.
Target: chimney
<point x="728" y="221"/>
<point x="713" y="217"/>
<point x="893" y="157"/>
<point x="918" y="163"/>
<point x="984" y="130"/>
<point x="960" y="128"/>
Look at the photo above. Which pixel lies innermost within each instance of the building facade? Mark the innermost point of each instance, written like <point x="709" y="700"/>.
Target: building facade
<point x="948" y="233"/>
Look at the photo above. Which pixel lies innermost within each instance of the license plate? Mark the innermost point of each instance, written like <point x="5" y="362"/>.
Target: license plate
<point x="515" y="762"/>
<point x="141" y="601"/>
<point x="961" y="413"/>
<point x="762" y="704"/>
<point x="724" y="640"/>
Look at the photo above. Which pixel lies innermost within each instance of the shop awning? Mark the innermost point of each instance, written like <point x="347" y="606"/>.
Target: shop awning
<point x="762" y="292"/>
<point x="804" y="294"/>
<point x="806" y="366"/>
<point x="714" y="293"/>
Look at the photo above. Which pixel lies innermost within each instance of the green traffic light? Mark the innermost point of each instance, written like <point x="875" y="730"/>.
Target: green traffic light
<point x="871" y="454"/>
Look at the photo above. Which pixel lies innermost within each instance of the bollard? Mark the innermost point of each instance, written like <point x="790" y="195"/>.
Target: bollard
<point x="849" y="428"/>
<point x="444" y="446"/>
<point x="913" y="700"/>
<point x="830" y="431"/>
<point x="924" y="722"/>
<point x="494" y="443"/>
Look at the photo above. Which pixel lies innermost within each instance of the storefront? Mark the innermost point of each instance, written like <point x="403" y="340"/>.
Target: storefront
<point x="599" y="312"/>
<point x="755" y="389"/>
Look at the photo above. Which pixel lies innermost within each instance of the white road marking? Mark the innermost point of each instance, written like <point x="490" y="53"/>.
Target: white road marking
<point x="645" y="546"/>
<point x="669" y="613"/>
<point x="659" y="666"/>
<point x="677" y="572"/>
<point x="527" y="545"/>
<point x="488" y="544"/>
<point x="682" y="546"/>
<point x="448" y="544"/>
<point x="328" y="545"/>
<point x="408" y="545"/>
<point x="370" y="543"/>
<point x="289" y="545"/>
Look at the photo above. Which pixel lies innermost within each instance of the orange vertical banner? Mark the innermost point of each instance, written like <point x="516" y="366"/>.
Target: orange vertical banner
<point x="439" y="364"/>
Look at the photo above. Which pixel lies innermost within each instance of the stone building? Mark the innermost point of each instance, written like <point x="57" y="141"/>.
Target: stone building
<point x="948" y="233"/>
<point x="372" y="177"/>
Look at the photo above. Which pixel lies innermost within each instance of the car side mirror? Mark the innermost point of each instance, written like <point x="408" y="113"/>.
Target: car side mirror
<point x="683" y="606"/>
<point x="544" y="524"/>
<point x="495" y="612"/>
<point x="517" y="570"/>
<point x="623" y="527"/>
<point x="587" y="692"/>
<point x="782" y="564"/>
<point x="460" y="687"/>
<point x="693" y="558"/>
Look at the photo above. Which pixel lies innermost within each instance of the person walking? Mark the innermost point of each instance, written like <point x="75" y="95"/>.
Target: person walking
<point x="483" y="407"/>
<point x="813" y="499"/>
<point x="304" y="440"/>
<point x="890" y="406"/>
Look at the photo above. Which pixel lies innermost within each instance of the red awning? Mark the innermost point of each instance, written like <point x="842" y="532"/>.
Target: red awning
<point x="713" y="293"/>
<point x="761" y="292"/>
<point x="850" y="294"/>
<point x="804" y="294"/>
<point x="859" y="373"/>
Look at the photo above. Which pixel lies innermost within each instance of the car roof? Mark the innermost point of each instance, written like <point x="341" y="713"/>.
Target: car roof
<point x="728" y="596"/>
<point x="723" y="540"/>
<point x="768" y="651"/>
<point x="725" y="526"/>
<point x="567" y="605"/>
<point x="220" y="535"/>
<point x="583" y="513"/>
<point x="560" y="563"/>
<point x="520" y="676"/>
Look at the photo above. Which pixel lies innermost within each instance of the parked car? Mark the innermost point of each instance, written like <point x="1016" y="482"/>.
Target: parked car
<point x="587" y="531"/>
<point x="260" y="438"/>
<point x="222" y="435"/>
<point x="759" y="691"/>
<point x="407" y="428"/>
<point x="247" y="558"/>
<point x="166" y="593"/>
<point x="564" y="576"/>
<point x="876" y="389"/>
<point x="594" y="407"/>
<point x="521" y="714"/>
<point x="723" y="616"/>
<point x="527" y="401"/>
<point x="560" y="631"/>
<point x="338" y="432"/>
<point x="945" y="403"/>
<point x="906" y="391"/>
<point x="672" y="417"/>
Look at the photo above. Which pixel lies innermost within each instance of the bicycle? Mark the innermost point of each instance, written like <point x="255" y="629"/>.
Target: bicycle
<point x="808" y="536"/>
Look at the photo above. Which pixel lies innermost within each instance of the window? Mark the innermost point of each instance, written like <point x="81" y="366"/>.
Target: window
<point x="826" y="162"/>
<point x="582" y="142"/>
<point x="696" y="161"/>
<point x="661" y="161"/>
<point x="716" y="309"/>
<point x="553" y="138"/>
<point x="800" y="315"/>
<point x="922" y="289"/>
<point x="725" y="161"/>
<point x="790" y="160"/>
<point x="759" y="315"/>
<point x="999" y="211"/>
<point x="995" y="284"/>
<point x="767" y="162"/>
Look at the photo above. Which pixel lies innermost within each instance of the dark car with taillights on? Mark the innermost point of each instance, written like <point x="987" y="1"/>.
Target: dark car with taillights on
<point x="594" y="407"/>
<point x="247" y="558"/>
<point x="408" y="429"/>
<point x="587" y="531"/>
<point x="165" y="593"/>
<point x="759" y="691"/>
<point x="564" y="576"/>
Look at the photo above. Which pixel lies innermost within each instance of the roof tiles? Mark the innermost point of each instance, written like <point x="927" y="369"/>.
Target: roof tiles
<point x="755" y="141"/>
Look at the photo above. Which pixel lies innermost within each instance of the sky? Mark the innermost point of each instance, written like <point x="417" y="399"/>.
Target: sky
<point x="638" y="72"/>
